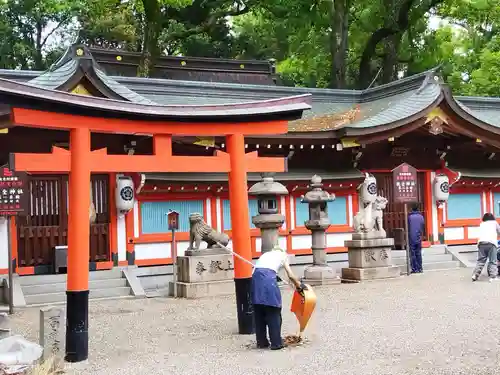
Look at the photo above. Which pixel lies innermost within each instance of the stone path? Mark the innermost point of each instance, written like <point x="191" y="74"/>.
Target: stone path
<point x="435" y="323"/>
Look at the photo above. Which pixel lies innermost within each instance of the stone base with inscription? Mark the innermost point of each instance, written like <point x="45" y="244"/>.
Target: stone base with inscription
<point x="203" y="276"/>
<point x="369" y="259"/>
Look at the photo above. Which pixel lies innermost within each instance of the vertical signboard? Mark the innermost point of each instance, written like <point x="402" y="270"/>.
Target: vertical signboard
<point x="405" y="183"/>
<point x="404" y="178"/>
<point x="13" y="192"/>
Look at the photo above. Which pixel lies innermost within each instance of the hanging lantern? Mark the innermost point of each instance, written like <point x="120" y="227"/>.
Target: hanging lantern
<point x="368" y="189"/>
<point x="441" y="189"/>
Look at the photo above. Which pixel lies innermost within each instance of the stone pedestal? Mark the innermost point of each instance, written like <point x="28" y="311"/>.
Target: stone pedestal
<point x="369" y="259"/>
<point x="204" y="275"/>
<point x="269" y="225"/>
<point x="319" y="273"/>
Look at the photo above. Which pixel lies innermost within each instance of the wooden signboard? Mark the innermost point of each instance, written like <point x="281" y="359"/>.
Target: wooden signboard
<point x="13" y="192"/>
<point x="405" y="183"/>
<point x="173" y="220"/>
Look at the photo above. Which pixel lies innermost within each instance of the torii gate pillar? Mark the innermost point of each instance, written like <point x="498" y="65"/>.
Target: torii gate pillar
<point x="238" y="196"/>
<point x="77" y="294"/>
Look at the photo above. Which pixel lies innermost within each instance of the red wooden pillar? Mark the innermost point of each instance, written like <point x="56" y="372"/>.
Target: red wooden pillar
<point x="238" y="196"/>
<point x="77" y="294"/>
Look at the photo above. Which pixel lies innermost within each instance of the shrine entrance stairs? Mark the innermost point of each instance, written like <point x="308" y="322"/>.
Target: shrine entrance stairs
<point x="51" y="289"/>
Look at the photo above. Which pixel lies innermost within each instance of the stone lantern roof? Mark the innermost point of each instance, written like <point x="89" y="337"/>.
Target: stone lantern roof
<point x="268" y="187"/>
<point x="317" y="194"/>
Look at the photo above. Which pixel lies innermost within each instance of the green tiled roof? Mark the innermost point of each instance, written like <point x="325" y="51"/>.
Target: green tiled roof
<point x="351" y="110"/>
<point x="69" y="65"/>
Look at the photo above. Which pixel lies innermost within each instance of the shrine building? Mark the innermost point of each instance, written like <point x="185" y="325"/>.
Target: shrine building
<point x="347" y="133"/>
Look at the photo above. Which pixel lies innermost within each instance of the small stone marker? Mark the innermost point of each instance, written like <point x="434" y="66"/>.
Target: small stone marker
<point x="52" y="326"/>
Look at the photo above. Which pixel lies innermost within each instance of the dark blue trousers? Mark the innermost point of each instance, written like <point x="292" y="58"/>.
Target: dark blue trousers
<point x="268" y="317"/>
<point x="416" y="257"/>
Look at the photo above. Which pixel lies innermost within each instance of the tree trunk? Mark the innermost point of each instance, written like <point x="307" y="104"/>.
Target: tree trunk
<point x="151" y="35"/>
<point x="339" y="42"/>
<point x="38" y="58"/>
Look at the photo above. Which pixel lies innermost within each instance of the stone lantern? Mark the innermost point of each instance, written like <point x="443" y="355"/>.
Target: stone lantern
<point x="318" y="223"/>
<point x="269" y="220"/>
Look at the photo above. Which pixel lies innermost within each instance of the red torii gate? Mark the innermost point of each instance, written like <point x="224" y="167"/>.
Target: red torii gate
<point x="81" y="115"/>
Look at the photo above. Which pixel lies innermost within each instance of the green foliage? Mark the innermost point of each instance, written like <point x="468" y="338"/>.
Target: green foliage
<point x="313" y="42"/>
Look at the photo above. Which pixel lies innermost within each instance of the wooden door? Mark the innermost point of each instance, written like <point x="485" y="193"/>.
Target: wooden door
<point x="45" y="225"/>
<point x="394" y="212"/>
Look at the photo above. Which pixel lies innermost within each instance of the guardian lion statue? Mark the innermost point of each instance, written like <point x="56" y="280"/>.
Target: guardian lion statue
<point x="369" y="218"/>
<point x="200" y="231"/>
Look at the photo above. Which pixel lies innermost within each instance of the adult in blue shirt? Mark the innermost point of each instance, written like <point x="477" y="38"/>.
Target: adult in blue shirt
<point x="415" y="230"/>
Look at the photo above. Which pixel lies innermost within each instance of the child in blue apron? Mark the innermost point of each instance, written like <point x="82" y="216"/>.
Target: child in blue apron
<point x="266" y="297"/>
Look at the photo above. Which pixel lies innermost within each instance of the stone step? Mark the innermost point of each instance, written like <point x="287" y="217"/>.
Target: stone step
<point x="61" y="278"/>
<point x="61" y="287"/>
<point x="49" y="298"/>
<point x="435" y="266"/>
<point x="425" y="259"/>
<point x="425" y="252"/>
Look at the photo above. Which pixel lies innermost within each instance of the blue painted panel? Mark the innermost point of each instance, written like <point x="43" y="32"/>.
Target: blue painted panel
<point x="464" y="206"/>
<point x="253" y="210"/>
<point x="154" y="218"/>
<point x="337" y="211"/>
<point x="301" y="212"/>
<point x="496" y="199"/>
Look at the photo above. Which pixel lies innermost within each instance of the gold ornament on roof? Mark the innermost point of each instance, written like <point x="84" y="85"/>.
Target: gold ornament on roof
<point x="118" y="58"/>
<point x="79" y="52"/>
<point x="436" y="118"/>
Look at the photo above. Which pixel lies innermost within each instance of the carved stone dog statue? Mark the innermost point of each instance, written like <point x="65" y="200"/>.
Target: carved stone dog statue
<point x="369" y="218"/>
<point x="201" y="231"/>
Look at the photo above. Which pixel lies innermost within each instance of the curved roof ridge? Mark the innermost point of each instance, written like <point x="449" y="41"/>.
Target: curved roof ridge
<point x="78" y="60"/>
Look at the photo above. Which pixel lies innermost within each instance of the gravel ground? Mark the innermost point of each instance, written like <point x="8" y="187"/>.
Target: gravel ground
<point x="435" y="323"/>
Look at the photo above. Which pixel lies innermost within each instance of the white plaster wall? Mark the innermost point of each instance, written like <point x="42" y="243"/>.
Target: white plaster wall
<point x="219" y="214"/>
<point x="281" y="243"/>
<point x="350" y="212"/>
<point x="473" y="232"/>
<point x="483" y="200"/>
<point x="283" y="210"/>
<point x="454" y="233"/>
<point x="301" y="242"/>
<point x="121" y="240"/>
<point x="159" y="250"/>
<point x="136" y="219"/>
<point x="208" y="209"/>
<point x="4" y="251"/>
<point x="292" y="213"/>
<point x="337" y="239"/>
<point x="435" y="224"/>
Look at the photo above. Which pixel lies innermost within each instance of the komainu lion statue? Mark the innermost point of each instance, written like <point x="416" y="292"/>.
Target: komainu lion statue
<point x="369" y="218"/>
<point x="201" y="231"/>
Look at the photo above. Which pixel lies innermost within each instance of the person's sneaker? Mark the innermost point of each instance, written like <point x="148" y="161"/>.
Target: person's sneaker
<point x="474" y="278"/>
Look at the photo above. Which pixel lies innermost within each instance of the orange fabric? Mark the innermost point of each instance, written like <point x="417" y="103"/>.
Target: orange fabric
<point x="303" y="306"/>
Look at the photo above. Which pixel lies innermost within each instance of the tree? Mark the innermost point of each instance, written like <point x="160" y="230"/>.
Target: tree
<point x="27" y="28"/>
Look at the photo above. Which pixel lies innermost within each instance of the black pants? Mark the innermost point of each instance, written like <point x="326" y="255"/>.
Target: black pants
<point x="416" y="257"/>
<point x="268" y="317"/>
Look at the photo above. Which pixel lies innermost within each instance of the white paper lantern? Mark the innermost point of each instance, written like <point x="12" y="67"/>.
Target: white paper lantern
<point x="441" y="188"/>
<point x="124" y="194"/>
<point x="368" y="189"/>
